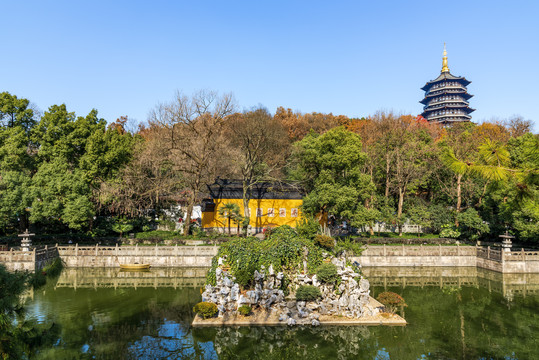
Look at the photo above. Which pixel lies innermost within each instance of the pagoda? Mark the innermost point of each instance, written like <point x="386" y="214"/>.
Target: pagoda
<point x="446" y="98"/>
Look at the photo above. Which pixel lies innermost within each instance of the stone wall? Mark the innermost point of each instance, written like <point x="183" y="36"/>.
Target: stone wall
<point x="418" y="256"/>
<point x="521" y="261"/>
<point x="17" y="260"/>
<point x="156" y="256"/>
<point x="451" y="256"/>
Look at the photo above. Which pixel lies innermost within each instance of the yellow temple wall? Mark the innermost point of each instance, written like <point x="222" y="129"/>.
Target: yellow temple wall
<point x="283" y="211"/>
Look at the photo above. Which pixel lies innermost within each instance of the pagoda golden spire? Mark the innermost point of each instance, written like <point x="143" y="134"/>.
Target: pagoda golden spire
<point x="445" y="68"/>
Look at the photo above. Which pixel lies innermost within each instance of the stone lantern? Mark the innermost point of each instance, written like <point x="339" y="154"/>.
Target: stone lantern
<point x="26" y="243"/>
<point x="507" y="241"/>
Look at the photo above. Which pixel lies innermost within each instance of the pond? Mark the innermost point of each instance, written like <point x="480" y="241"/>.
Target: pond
<point x="452" y="314"/>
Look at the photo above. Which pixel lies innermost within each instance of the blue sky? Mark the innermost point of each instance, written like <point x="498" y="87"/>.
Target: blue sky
<point x="346" y="57"/>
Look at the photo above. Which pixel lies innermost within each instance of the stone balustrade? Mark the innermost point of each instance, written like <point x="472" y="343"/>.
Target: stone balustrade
<point x="156" y="256"/>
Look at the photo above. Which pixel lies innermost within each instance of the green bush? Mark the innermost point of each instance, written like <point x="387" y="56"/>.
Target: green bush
<point x="324" y="241"/>
<point x="205" y="310"/>
<point x="37" y="280"/>
<point x="308" y="293"/>
<point x="54" y="268"/>
<point x="327" y="273"/>
<point x="348" y="245"/>
<point x="308" y="227"/>
<point x="244" y="310"/>
<point x="283" y="249"/>
<point x="157" y="235"/>
<point x="170" y="225"/>
<point x="449" y="231"/>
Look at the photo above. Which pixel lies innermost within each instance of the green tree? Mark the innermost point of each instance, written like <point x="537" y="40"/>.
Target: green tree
<point x="60" y="134"/>
<point x="107" y="151"/>
<point x="458" y="142"/>
<point x="15" y="112"/>
<point x="61" y="194"/>
<point x="229" y="211"/>
<point x="17" y="161"/>
<point x="329" y="167"/>
<point x="122" y="226"/>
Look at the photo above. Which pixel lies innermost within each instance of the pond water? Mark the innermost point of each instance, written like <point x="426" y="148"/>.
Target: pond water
<point x="452" y="314"/>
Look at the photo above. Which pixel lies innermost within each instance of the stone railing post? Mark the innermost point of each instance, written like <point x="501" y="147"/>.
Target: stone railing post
<point x="155" y="250"/>
<point x="458" y="249"/>
<point x="11" y="255"/>
<point x="116" y="250"/>
<point x="523" y="254"/>
<point x="385" y="250"/>
<point x="77" y="249"/>
<point x="96" y="249"/>
<point x="488" y="252"/>
<point x="403" y="252"/>
<point x="440" y="249"/>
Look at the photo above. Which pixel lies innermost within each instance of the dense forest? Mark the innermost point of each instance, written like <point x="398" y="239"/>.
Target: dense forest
<point x="66" y="173"/>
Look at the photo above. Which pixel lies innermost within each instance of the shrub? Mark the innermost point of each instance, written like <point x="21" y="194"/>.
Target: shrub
<point x="348" y="245"/>
<point x="391" y="300"/>
<point x="308" y="227"/>
<point x="244" y="310"/>
<point x="205" y="309"/>
<point x="449" y="231"/>
<point x="327" y="273"/>
<point x="308" y="293"/>
<point x="54" y="268"/>
<point x="283" y="249"/>
<point x="324" y="241"/>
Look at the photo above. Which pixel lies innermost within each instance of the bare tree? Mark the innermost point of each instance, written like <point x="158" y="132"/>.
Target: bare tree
<point x="260" y="145"/>
<point x="147" y="182"/>
<point x="192" y="129"/>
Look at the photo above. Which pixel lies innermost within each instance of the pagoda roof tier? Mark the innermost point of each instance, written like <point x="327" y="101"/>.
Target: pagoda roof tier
<point x="437" y="117"/>
<point x="461" y="90"/>
<point x="447" y="106"/>
<point x="429" y="97"/>
<point x="426" y="113"/>
<point x="444" y="76"/>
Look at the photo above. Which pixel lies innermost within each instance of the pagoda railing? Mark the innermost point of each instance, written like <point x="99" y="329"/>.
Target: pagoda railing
<point x="445" y="91"/>
<point x="446" y="103"/>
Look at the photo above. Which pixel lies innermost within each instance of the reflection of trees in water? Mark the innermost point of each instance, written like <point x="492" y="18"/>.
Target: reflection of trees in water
<point x="465" y="323"/>
<point x="327" y="342"/>
<point x="105" y="322"/>
<point x="455" y="323"/>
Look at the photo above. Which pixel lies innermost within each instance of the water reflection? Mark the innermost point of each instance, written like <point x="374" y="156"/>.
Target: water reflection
<point x="106" y="314"/>
<point x="508" y="285"/>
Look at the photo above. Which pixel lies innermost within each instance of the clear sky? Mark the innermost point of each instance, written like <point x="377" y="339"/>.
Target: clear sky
<point x="346" y="57"/>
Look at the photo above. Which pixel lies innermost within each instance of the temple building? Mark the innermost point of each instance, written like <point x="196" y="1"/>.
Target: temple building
<point x="271" y="205"/>
<point x="446" y="98"/>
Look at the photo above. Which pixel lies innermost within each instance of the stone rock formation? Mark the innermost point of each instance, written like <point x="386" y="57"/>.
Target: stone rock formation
<point x="349" y="298"/>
